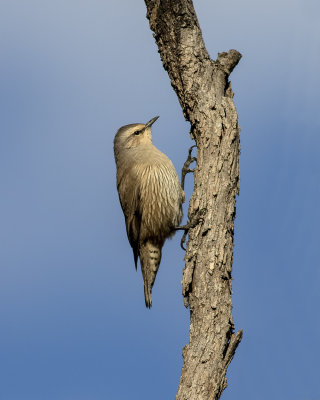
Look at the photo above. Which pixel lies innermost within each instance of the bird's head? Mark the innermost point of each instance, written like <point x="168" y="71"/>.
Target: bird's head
<point x="133" y="135"/>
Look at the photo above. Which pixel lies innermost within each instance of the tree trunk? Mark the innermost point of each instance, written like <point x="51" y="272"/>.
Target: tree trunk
<point x="206" y="98"/>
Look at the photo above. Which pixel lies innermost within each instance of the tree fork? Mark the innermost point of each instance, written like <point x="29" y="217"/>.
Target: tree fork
<point x="205" y="95"/>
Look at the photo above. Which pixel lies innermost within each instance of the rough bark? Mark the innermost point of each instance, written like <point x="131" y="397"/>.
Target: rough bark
<point x="204" y="92"/>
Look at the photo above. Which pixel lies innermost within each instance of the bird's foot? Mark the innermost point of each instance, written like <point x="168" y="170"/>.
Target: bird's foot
<point x="195" y="219"/>
<point x="186" y="165"/>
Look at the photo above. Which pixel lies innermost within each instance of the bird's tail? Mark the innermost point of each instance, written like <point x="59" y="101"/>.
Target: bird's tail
<point x="150" y="257"/>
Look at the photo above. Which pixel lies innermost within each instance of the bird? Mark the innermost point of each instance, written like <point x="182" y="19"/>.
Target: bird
<point x="150" y="195"/>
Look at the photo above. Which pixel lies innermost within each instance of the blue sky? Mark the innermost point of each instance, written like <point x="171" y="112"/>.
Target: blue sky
<point x="73" y="320"/>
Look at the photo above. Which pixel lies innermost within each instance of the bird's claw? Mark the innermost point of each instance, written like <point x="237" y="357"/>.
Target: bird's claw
<point x="192" y="223"/>
<point x="186" y="165"/>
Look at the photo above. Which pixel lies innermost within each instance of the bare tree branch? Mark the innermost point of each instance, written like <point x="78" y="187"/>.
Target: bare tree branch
<point x="205" y="95"/>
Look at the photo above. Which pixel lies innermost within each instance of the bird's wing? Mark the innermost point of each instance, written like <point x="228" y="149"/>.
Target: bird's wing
<point x="129" y="195"/>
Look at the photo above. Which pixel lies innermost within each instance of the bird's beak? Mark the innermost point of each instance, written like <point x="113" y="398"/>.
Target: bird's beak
<point x="148" y="124"/>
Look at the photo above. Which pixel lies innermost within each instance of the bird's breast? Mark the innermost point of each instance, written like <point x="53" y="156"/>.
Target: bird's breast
<point x="160" y="194"/>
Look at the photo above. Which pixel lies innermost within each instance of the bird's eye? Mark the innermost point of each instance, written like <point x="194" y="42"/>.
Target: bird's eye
<point x="136" y="132"/>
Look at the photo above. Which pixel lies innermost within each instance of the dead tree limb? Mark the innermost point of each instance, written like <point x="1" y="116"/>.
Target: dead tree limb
<point x="205" y="95"/>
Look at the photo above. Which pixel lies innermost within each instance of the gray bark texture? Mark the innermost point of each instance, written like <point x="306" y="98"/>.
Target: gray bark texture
<point x="205" y="95"/>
